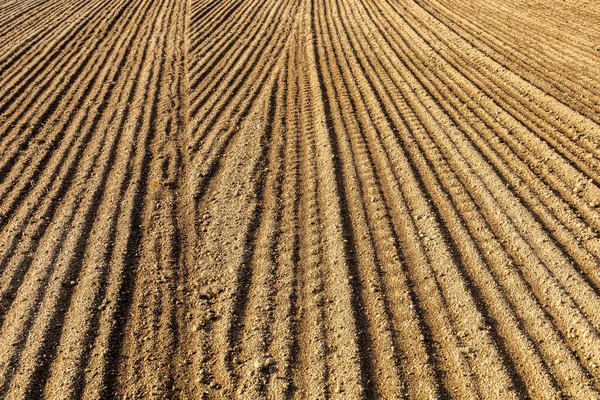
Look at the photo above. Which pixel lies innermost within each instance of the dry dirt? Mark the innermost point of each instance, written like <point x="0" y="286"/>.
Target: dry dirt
<point x="215" y="199"/>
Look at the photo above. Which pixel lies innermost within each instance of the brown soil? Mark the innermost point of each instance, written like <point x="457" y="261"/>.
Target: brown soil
<point x="299" y="199"/>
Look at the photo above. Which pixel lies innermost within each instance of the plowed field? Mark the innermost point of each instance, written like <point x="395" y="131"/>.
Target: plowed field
<point x="272" y="199"/>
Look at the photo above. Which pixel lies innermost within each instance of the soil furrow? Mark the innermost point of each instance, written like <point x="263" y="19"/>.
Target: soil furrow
<point x="319" y="199"/>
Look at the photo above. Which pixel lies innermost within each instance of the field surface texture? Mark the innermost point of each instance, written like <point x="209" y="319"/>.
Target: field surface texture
<point x="299" y="199"/>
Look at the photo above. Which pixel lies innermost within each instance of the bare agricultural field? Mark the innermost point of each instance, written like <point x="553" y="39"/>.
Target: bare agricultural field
<point x="290" y="199"/>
